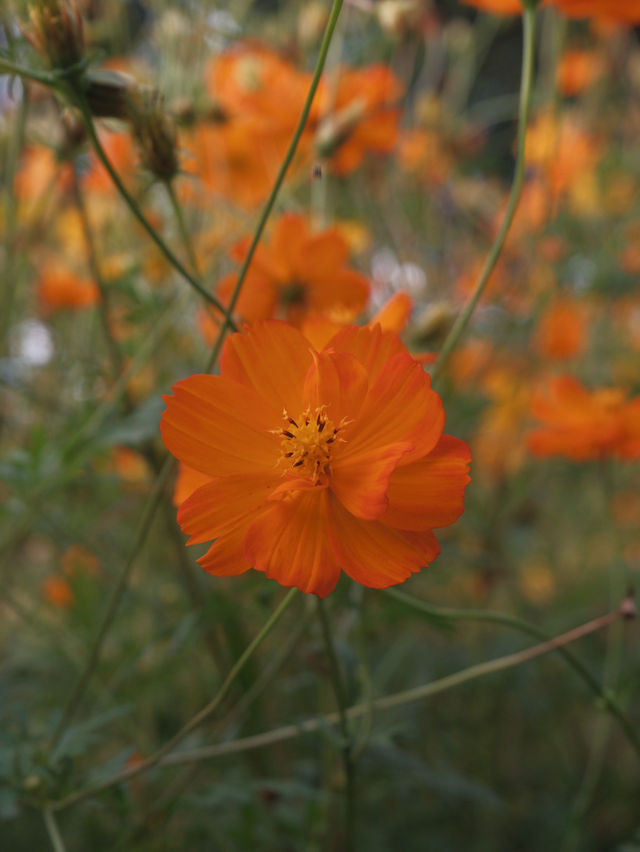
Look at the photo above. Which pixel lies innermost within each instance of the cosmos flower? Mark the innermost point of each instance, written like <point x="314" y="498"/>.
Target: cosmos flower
<point x="582" y="425"/>
<point x="319" y="461"/>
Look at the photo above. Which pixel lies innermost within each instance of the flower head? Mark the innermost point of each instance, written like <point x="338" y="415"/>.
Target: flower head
<point x="319" y="461"/>
<point x="583" y="425"/>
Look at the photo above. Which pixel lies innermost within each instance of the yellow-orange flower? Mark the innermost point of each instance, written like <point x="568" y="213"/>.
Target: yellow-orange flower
<point x="497" y="7"/>
<point x="296" y="274"/>
<point x="624" y="11"/>
<point x="60" y="287"/>
<point x="563" y="329"/>
<point x="320" y="461"/>
<point x="584" y="425"/>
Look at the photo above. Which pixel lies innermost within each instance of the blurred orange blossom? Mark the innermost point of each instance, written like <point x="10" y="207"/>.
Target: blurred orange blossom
<point x="320" y="461"/>
<point x="582" y="425"/>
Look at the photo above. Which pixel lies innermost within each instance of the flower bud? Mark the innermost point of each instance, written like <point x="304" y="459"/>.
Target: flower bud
<point x="155" y="134"/>
<point x="56" y="32"/>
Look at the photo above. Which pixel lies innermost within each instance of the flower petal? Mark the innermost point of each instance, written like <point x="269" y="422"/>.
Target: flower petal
<point x="400" y="407"/>
<point x="360" y="481"/>
<point x="220" y="427"/>
<point x="220" y="506"/>
<point x="337" y="381"/>
<point x="289" y="542"/>
<point x="373" y="347"/>
<point x="273" y="359"/>
<point x="429" y="493"/>
<point x="376" y="555"/>
<point x="225" y="557"/>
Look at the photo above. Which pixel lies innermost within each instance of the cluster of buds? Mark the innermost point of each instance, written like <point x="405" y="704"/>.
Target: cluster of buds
<point x="56" y="32"/>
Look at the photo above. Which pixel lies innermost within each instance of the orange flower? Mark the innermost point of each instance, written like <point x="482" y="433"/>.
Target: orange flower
<point x="624" y="11"/>
<point x="320" y="461"/>
<point x="562" y="331"/>
<point x="582" y="425"/>
<point x="61" y="287"/>
<point x="296" y="274"/>
<point x="577" y="70"/>
<point x="359" y="115"/>
<point x="497" y="7"/>
<point x="57" y="591"/>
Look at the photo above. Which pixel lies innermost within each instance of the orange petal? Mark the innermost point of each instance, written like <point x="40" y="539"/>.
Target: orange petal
<point x="429" y="493"/>
<point x="337" y="381"/>
<point x="289" y="543"/>
<point x="394" y="314"/>
<point x="273" y="359"/>
<point x="375" y="555"/>
<point x="400" y="407"/>
<point x="218" y="507"/>
<point x="360" y="481"/>
<point x="220" y="427"/>
<point x="371" y="346"/>
<point x="225" y="557"/>
<point x="187" y="482"/>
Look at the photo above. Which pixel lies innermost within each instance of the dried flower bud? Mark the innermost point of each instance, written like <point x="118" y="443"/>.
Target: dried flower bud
<point x="434" y="323"/>
<point x="155" y="134"/>
<point x="108" y="93"/>
<point x="56" y="32"/>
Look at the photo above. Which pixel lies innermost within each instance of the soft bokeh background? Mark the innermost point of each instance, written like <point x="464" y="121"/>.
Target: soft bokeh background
<point x="409" y="157"/>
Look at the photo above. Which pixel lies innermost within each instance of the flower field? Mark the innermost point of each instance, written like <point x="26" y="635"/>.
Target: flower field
<point x="319" y="425"/>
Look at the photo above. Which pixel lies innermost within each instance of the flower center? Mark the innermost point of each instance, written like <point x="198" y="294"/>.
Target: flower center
<point x="306" y="442"/>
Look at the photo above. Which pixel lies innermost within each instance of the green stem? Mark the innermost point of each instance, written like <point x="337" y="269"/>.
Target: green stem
<point x="347" y="745"/>
<point x="82" y="683"/>
<point x="52" y="829"/>
<point x="135" y="209"/>
<point x="293" y="146"/>
<point x="182" y="226"/>
<point x="608" y="700"/>
<point x="526" y="87"/>
<point x="9" y="67"/>
<point x="387" y="702"/>
<point x="199" y="717"/>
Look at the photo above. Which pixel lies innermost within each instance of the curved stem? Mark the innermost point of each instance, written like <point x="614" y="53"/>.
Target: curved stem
<point x="608" y="700"/>
<point x="52" y="829"/>
<point x="202" y="714"/>
<point x="397" y="699"/>
<point x="11" y="68"/>
<point x="341" y="698"/>
<point x="293" y="146"/>
<point x="182" y="226"/>
<point x="526" y="87"/>
<point x="134" y="207"/>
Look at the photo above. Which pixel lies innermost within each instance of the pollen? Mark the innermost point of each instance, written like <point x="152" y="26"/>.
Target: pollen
<point x="307" y="442"/>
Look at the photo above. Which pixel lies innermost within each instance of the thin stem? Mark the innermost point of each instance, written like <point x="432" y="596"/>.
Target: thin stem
<point x="137" y="212"/>
<point x="201" y="715"/>
<point x="82" y="683"/>
<point x="182" y="225"/>
<point x="608" y="700"/>
<point x="387" y="702"/>
<point x="347" y="745"/>
<point x="9" y="67"/>
<point x="52" y="829"/>
<point x="526" y="87"/>
<point x="293" y="146"/>
<point x="94" y="267"/>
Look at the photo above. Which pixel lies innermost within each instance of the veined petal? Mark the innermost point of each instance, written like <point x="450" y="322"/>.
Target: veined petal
<point x="220" y="427"/>
<point x="220" y="506"/>
<point x="273" y="360"/>
<point x="337" y="381"/>
<point x="289" y="542"/>
<point x="360" y="481"/>
<point x="429" y="493"/>
<point x="373" y="347"/>
<point x="225" y="557"/>
<point x="376" y="555"/>
<point x="400" y="407"/>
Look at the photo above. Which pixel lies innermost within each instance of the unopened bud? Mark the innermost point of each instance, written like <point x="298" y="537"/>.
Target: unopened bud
<point x="108" y="93"/>
<point x="435" y="321"/>
<point x="337" y="127"/>
<point x="56" y="32"/>
<point x="154" y="133"/>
